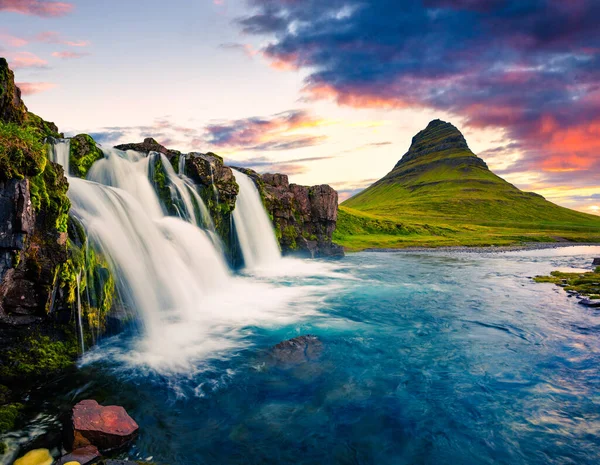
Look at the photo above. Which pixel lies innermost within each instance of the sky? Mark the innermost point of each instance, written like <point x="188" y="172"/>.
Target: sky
<point x="328" y="92"/>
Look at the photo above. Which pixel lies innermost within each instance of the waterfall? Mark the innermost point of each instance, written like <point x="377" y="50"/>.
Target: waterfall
<point x="163" y="266"/>
<point x="59" y="152"/>
<point x="253" y="227"/>
<point x="181" y="164"/>
<point x="169" y="271"/>
<point x="79" y="323"/>
<point x="184" y="197"/>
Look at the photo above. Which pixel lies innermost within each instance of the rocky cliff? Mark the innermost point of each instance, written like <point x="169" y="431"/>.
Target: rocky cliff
<point x="304" y="218"/>
<point x="41" y="256"/>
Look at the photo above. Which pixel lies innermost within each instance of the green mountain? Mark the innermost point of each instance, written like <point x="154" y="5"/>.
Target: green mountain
<point x="441" y="193"/>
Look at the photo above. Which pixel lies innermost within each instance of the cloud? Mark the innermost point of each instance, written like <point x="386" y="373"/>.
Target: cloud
<point x="530" y="67"/>
<point x="30" y="88"/>
<point x="267" y="165"/>
<point x="65" y="55"/>
<point x="37" y="7"/>
<point x="13" y="41"/>
<point x="346" y="189"/>
<point x="26" y="60"/>
<point x="108" y="137"/>
<point x="273" y="133"/>
<point x="53" y="37"/>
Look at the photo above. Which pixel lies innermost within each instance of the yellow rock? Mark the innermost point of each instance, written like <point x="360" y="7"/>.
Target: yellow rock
<point x="72" y="463"/>
<point x="36" y="457"/>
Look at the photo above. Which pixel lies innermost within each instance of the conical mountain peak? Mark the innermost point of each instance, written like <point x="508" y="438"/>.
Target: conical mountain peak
<point x="438" y="136"/>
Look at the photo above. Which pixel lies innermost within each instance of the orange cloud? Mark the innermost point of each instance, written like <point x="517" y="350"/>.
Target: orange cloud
<point x="30" y="88"/>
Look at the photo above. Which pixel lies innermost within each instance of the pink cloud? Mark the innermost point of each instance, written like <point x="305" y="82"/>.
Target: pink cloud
<point x="13" y="41"/>
<point x="30" y="88"/>
<point x="53" y="37"/>
<point x="68" y="55"/>
<point x="37" y="7"/>
<point x="26" y="60"/>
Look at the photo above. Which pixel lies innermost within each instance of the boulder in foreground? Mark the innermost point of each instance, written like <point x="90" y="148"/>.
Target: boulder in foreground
<point x="108" y="428"/>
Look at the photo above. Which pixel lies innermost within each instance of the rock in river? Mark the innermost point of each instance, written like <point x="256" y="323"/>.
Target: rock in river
<point x="108" y="428"/>
<point x="295" y="351"/>
<point x="84" y="456"/>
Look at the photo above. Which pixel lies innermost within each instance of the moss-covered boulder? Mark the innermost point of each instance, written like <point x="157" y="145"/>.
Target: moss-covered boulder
<point x="83" y="154"/>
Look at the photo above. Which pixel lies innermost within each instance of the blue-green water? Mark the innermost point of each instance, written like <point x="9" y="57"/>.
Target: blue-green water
<point x="431" y="358"/>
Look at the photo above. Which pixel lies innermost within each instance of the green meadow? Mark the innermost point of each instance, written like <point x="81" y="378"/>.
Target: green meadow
<point x="442" y="194"/>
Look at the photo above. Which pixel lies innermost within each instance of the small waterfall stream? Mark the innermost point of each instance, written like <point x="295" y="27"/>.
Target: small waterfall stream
<point x="253" y="227"/>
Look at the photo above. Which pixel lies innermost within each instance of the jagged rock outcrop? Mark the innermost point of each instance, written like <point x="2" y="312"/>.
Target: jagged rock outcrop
<point x="304" y="218"/>
<point x="150" y="145"/>
<point x="12" y="108"/>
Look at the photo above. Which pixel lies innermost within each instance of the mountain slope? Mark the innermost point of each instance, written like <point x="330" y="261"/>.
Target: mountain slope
<point x="446" y="195"/>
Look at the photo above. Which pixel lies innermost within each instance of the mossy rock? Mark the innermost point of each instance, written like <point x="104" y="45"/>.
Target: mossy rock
<point x="83" y="154"/>
<point x="22" y="152"/>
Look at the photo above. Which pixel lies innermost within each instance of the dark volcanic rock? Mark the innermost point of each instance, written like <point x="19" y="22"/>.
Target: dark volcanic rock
<point x="84" y="455"/>
<point x="108" y="428"/>
<point x="304" y="217"/>
<point x="596" y="262"/>
<point x="296" y="351"/>
<point x="12" y="108"/>
<point x="150" y="145"/>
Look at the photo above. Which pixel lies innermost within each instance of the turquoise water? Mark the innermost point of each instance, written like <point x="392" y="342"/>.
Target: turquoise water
<point x="430" y="358"/>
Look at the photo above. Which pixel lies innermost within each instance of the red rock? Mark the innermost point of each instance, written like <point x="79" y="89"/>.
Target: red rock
<point x="84" y="455"/>
<point x="108" y="428"/>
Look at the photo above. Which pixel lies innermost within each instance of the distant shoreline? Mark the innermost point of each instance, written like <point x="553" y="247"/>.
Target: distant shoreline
<point x="486" y="249"/>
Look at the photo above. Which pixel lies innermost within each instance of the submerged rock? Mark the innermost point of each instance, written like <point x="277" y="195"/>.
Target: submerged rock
<point x="590" y="302"/>
<point x="296" y="351"/>
<point x="84" y="456"/>
<point x="108" y="428"/>
<point x="36" y="457"/>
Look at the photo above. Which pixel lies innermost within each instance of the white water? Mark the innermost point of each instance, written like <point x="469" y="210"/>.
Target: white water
<point x="169" y="272"/>
<point x="79" y="323"/>
<point x="253" y="227"/>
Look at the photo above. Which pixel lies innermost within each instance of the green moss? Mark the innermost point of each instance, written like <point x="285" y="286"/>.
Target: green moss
<point x="583" y="283"/>
<point x="83" y="154"/>
<point x="8" y="416"/>
<point x="2" y="448"/>
<point x="288" y="236"/>
<point x="175" y="162"/>
<point x="44" y="128"/>
<point x="49" y="194"/>
<point x="22" y="153"/>
<point x="39" y="356"/>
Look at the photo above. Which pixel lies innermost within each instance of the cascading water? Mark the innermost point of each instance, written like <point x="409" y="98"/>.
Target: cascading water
<point x="253" y="227"/>
<point x="168" y="271"/>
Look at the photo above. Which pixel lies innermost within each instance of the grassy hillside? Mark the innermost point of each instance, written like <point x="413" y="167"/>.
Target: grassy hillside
<point x="441" y="193"/>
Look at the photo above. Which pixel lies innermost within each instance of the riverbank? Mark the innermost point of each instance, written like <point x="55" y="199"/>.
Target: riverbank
<point x="487" y="249"/>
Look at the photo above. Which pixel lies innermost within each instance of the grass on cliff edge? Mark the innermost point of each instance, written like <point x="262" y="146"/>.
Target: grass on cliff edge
<point x="358" y="230"/>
